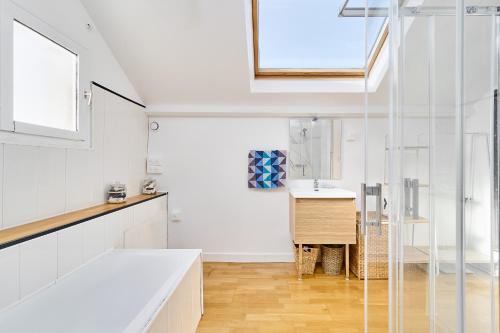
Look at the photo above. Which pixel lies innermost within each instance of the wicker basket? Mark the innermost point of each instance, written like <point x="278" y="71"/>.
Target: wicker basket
<point x="309" y="258"/>
<point x="378" y="255"/>
<point x="332" y="259"/>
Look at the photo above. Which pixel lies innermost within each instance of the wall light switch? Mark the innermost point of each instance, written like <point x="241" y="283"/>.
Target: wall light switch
<point x="154" y="165"/>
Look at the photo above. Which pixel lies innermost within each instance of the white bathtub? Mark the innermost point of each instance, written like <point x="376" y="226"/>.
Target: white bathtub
<point x="121" y="291"/>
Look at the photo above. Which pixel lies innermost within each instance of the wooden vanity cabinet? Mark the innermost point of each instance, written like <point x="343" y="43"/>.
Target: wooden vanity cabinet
<point x="323" y="221"/>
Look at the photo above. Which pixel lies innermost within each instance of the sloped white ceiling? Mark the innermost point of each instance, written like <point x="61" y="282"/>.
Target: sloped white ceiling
<point x="191" y="52"/>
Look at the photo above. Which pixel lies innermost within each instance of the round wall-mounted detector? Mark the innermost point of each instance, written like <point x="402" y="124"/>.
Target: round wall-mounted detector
<point x="154" y="126"/>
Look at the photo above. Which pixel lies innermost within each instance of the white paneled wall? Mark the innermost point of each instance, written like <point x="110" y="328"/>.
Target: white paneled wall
<point x="37" y="264"/>
<point x="117" y="224"/>
<point x="9" y="276"/>
<point x="95" y="240"/>
<point x="69" y="249"/>
<point x="40" y="182"/>
<point x="30" y="266"/>
<point x="151" y="232"/>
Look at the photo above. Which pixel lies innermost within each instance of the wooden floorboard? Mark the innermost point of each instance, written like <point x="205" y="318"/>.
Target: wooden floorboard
<point x="261" y="298"/>
<point x="269" y="298"/>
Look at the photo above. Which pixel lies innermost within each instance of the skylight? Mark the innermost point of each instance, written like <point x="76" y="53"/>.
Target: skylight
<point x="308" y="38"/>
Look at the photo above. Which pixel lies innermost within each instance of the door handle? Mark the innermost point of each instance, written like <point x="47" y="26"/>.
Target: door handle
<point x="496" y="167"/>
<point x="363" y="208"/>
<point x="375" y="191"/>
<point x="378" y="221"/>
<point x="87" y="94"/>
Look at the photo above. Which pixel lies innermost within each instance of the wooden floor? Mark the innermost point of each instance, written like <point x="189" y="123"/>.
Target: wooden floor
<point x="269" y="298"/>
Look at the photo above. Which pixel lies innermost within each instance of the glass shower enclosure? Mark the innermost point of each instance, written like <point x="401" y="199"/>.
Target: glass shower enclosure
<point x="445" y="59"/>
<point x="442" y="180"/>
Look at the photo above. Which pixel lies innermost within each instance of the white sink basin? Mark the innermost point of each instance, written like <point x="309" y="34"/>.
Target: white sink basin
<point x="322" y="193"/>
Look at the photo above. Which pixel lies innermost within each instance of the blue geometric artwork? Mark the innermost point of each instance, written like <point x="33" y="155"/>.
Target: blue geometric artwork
<point x="266" y="168"/>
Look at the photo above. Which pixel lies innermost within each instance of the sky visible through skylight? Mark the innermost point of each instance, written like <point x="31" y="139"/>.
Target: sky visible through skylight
<point x="309" y="34"/>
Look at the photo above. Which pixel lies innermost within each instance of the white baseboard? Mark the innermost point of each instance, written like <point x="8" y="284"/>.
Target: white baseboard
<point x="248" y="257"/>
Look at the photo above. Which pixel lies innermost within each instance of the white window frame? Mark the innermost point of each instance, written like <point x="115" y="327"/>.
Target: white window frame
<point x="24" y="133"/>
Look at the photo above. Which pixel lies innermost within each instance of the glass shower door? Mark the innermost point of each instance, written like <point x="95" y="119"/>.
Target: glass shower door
<point x="442" y="163"/>
<point x="480" y="165"/>
<point x="444" y="183"/>
<point x="374" y="221"/>
<point x="375" y="203"/>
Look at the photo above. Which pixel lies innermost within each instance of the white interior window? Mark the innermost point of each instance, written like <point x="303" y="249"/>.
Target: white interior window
<point x="45" y="81"/>
<point x="44" y="88"/>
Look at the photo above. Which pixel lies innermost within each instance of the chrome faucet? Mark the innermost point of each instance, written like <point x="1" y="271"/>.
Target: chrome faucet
<point x="316" y="184"/>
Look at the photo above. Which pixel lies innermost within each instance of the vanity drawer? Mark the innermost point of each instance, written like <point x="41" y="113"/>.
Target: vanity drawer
<point x="323" y="221"/>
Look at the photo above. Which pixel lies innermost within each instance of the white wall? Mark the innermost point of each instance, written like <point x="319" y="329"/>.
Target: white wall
<point x="205" y="161"/>
<point x="39" y="182"/>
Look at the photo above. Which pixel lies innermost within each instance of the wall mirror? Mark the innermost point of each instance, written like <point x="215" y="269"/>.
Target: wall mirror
<point x="315" y="148"/>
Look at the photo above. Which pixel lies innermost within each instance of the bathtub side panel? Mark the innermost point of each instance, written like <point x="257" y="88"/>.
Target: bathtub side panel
<point x="181" y="313"/>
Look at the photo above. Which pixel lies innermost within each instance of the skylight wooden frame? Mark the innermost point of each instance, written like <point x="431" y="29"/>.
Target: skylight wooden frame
<point x="311" y="72"/>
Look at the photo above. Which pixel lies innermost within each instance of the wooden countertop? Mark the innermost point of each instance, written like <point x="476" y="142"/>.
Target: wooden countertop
<point x="21" y="233"/>
<point x="322" y="193"/>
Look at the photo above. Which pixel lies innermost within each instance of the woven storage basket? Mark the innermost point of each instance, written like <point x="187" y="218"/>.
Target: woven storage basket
<point x="332" y="259"/>
<point x="309" y="258"/>
<point x="378" y="255"/>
